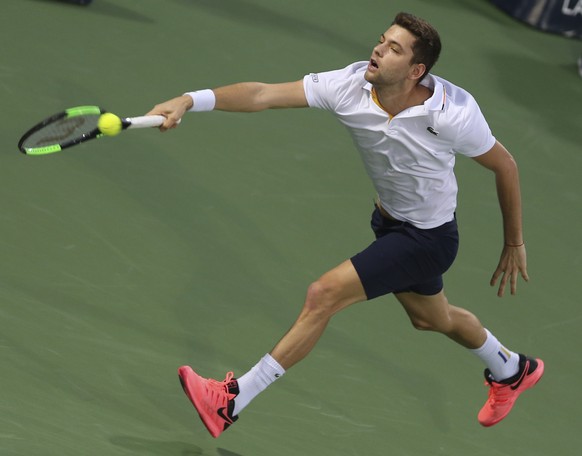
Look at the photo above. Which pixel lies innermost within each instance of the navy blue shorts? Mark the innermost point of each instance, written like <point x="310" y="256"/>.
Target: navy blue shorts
<point x="406" y="258"/>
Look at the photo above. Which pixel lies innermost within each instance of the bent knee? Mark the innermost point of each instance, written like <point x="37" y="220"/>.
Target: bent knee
<point x="325" y="298"/>
<point x="319" y="298"/>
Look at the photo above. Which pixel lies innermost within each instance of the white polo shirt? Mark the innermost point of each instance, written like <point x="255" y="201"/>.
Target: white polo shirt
<point x="410" y="157"/>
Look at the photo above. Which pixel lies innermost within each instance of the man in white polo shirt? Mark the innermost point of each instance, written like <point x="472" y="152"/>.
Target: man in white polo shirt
<point x="408" y="126"/>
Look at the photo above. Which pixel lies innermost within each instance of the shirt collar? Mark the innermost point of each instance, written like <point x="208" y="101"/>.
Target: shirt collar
<point x="439" y="95"/>
<point x="436" y="102"/>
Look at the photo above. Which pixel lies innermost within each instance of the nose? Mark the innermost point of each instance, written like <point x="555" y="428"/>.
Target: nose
<point x="378" y="50"/>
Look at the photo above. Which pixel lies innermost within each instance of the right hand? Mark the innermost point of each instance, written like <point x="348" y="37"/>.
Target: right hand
<point x="172" y="110"/>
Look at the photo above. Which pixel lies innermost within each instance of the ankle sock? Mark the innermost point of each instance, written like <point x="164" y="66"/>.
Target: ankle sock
<point x="502" y="362"/>
<point x="265" y="372"/>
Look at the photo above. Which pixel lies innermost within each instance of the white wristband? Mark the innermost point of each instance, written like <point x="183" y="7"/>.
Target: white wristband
<point x="203" y="100"/>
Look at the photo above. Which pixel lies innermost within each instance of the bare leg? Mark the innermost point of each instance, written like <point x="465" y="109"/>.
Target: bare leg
<point x="435" y="313"/>
<point x="334" y="291"/>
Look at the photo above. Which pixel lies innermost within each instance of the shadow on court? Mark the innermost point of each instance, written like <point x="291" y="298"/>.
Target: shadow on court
<point x="155" y="447"/>
<point x="106" y="8"/>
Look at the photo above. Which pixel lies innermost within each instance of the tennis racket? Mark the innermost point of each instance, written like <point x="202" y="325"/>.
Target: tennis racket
<point x="74" y="126"/>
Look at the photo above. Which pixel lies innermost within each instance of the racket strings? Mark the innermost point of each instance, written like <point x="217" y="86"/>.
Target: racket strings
<point x="62" y="131"/>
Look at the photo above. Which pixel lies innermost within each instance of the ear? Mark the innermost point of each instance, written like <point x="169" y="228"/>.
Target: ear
<point x="417" y="70"/>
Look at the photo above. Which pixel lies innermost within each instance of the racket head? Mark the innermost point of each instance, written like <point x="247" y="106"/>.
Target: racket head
<point x="59" y="131"/>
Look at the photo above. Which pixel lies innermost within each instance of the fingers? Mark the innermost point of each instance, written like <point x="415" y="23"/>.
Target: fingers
<point x="169" y="123"/>
<point x="495" y="276"/>
<point x="502" y="283"/>
<point x="513" y="282"/>
<point x="524" y="274"/>
<point x="505" y="277"/>
<point x="172" y="120"/>
<point x="511" y="265"/>
<point x="172" y="110"/>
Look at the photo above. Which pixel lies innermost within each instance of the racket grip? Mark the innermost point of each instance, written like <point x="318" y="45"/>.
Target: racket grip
<point x="146" y="121"/>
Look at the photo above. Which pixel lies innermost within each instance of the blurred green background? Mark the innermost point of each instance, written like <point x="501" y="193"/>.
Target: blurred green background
<point x="127" y="257"/>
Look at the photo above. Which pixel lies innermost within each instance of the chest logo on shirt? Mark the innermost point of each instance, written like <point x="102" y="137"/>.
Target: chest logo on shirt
<point x="314" y="77"/>
<point x="433" y="131"/>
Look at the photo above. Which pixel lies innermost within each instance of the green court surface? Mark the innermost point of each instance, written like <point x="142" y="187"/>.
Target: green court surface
<point x="127" y="257"/>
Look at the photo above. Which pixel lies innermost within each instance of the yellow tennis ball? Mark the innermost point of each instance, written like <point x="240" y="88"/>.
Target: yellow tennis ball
<point x="109" y="124"/>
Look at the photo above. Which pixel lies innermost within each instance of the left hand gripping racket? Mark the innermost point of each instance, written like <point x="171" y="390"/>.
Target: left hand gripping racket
<point x="74" y="126"/>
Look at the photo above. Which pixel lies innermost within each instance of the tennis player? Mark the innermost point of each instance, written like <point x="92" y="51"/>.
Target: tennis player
<point x="408" y="125"/>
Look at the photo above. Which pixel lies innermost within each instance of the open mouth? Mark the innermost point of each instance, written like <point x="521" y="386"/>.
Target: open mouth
<point x="373" y="63"/>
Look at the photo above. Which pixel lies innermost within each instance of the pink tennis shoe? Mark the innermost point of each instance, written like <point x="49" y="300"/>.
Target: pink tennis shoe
<point x="502" y="395"/>
<point x="213" y="400"/>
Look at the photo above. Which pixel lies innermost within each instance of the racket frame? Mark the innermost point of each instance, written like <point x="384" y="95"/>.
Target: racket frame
<point x="129" y="122"/>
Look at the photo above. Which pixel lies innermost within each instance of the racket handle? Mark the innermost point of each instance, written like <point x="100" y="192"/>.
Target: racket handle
<point x="145" y="121"/>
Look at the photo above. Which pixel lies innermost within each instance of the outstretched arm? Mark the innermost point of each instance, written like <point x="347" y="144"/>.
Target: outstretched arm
<point x="241" y="97"/>
<point x="513" y="256"/>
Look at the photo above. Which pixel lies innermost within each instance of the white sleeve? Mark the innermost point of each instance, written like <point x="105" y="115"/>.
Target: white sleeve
<point x="325" y="90"/>
<point x="474" y="137"/>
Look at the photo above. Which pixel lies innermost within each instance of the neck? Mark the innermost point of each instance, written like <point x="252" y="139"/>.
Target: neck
<point x="396" y="99"/>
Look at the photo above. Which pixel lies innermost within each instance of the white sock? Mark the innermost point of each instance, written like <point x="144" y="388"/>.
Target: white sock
<point x="501" y="362"/>
<point x="265" y="372"/>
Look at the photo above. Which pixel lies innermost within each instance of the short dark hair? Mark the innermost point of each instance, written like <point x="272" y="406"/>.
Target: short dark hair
<point x="427" y="47"/>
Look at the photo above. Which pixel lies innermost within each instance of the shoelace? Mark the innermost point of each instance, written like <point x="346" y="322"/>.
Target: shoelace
<point x="221" y="387"/>
<point x="498" y="394"/>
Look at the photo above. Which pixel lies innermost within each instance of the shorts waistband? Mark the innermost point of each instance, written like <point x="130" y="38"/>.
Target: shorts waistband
<point x="383" y="211"/>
